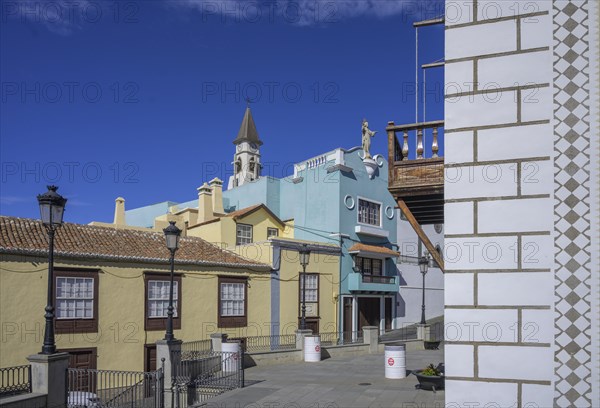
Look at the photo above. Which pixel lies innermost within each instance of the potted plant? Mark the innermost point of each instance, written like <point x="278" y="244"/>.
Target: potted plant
<point x="431" y="378"/>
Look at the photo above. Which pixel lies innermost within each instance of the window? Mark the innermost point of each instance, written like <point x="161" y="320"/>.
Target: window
<point x="158" y="298"/>
<point x="310" y="284"/>
<point x="369" y="266"/>
<point x="74" y="298"/>
<point x="272" y="232"/>
<point x="76" y="301"/>
<point x="369" y="212"/>
<point x="232" y="299"/>
<point x="233" y="302"/>
<point x="244" y="234"/>
<point x="156" y="292"/>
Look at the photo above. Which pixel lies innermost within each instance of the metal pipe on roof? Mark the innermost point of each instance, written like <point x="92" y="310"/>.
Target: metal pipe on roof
<point x="433" y="21"/>
<point x="433" y="65"/>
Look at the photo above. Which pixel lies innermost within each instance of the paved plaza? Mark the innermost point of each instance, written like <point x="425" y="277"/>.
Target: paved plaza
<point x="357" y="381"/>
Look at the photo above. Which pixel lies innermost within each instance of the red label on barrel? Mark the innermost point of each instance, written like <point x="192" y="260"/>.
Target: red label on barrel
<point x="390" y="361"/>
<point x="317" y="348"/>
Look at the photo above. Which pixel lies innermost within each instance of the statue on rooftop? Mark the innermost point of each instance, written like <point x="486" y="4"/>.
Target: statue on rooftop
<point x="367" y="134"/>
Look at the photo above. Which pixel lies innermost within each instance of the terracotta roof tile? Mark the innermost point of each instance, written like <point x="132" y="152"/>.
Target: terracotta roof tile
<point x="28" y="236"/>
<point x="249" y="210"/>
<point x="358" y="247"/>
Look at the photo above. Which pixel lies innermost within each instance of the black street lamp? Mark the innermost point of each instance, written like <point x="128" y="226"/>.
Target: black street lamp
<point x="304" y="258"/>
<point x="52" y="209"/>
<point x="172" y="234"/>
<point x="423" y="265"/>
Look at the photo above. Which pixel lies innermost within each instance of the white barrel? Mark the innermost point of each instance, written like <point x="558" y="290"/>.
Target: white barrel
<point x="312" y="348"/>
<point x="230" y="359"/>
<point x="395" y="361"/>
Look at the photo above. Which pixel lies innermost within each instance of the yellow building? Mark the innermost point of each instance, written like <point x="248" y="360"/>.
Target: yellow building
<point x="112" y="284"/>
<point x="111" y="293"/>
<point x="257" y="234"/>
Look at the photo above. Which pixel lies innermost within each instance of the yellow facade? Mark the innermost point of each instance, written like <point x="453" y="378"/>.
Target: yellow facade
<point x="121" y="334"/>
<point x="122" y="339"/>
<point x="282" y="253"/>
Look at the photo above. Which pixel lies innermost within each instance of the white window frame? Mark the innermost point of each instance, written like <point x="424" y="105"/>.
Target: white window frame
<point x="358" y="200"/>
<point x="237" y="234"/>
<point x="269" y="229"/>
<point x="76" y="299"/>
<point x="225" y="298"/>
<point x="310" y="290"/>
<point x="166" y="284"/>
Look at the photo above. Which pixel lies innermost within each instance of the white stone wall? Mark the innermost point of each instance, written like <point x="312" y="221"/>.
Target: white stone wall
<point x="520" y="328"/>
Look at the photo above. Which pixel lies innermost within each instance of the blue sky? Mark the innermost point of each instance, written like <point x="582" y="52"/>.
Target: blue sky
<point x="142" y="99"/>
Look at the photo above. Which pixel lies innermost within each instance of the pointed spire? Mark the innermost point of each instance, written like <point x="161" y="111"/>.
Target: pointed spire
<point x="248" y="131"/>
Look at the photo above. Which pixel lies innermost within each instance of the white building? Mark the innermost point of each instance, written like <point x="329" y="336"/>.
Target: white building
<point x="521" y="115"/>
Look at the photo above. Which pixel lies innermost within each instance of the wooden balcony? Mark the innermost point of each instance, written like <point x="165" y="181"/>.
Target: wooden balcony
<point x="417" y="181"/>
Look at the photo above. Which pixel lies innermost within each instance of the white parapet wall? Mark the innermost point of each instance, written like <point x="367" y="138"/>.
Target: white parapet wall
<point x="521" y="234"/>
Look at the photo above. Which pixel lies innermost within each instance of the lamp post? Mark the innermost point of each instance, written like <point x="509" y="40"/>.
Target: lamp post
<point x="52" y="208"/>
<point x="172" y="234"/>
<point x="423" y="266"/>
<point x="304" y="258"/>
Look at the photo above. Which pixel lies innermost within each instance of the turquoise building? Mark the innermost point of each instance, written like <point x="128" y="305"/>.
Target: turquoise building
<point x="335" y="197"/>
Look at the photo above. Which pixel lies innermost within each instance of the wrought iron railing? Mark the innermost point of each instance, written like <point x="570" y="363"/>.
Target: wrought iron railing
<point x="257" y="344"/>
<point x="114" y="389"/>
<point x="378" y="279"/>
<point x="194" y="349"/>
<point x="341" y="338"/>
<point x="15" y="380"/>
<point x="205" y="376"/>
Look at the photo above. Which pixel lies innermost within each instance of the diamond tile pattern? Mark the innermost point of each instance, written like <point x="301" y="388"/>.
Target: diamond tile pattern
<point x="572" y="205"/>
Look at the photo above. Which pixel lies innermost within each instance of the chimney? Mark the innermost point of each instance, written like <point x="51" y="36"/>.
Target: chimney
<point x="205" y="210"/>
<point x="119" y="211"/>
<point x="217" y="195"/>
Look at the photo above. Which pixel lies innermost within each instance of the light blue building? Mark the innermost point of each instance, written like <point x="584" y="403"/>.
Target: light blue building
<point x="333" y="197"/>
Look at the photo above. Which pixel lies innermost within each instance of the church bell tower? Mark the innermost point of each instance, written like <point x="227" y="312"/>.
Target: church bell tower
<point x="246" y="160"/>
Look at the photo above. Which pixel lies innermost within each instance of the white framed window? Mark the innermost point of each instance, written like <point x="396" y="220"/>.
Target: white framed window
<point x="74" y="298"/>
<point x="272" y="232"/>
<point x="158" y="298"/>
<point x="312" y="288"/>
<point x="243" y="234"/>
<point x="369" y="212"/>
<point x="233" y="299"/>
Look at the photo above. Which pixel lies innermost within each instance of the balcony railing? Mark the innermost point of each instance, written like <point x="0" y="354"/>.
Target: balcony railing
<point x="15" y="380"/>
<point x="378" y="279"/>
<point x="416" y="170"/>
<point x="402" y="152"/>
<point x="357" y="282"/>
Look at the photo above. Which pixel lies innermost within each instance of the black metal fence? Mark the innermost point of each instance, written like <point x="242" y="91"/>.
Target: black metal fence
<point x="341" y="338"/>
<point x="195" y="349"/>
<point x="257" y="344"/>
<point x="204" y="376"/>
<point x="15" y="380"/>
<point x="114" y="389"/>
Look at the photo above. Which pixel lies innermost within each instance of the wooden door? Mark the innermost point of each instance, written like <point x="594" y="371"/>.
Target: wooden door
<point x="82" y="359"/>
<point x="347" y="315"/>
<point x="368" y="312"/>
<point x="311" y="324"/>
<point x="150" y="357"/>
